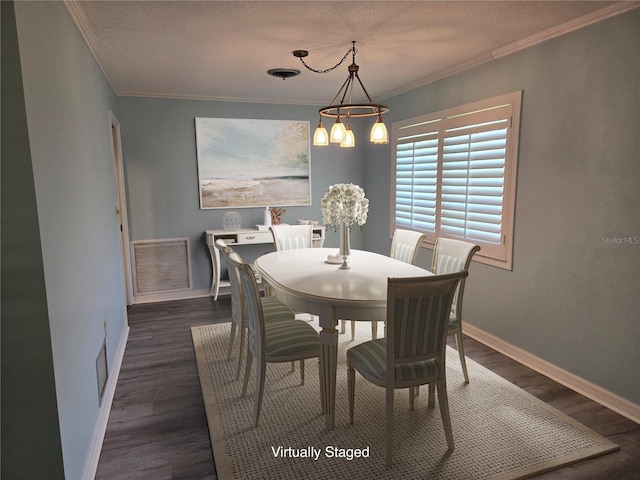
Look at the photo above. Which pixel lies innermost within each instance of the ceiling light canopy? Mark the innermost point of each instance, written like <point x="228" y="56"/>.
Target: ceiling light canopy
<point x="283" y="73"/>
<point x="346" y="109"/>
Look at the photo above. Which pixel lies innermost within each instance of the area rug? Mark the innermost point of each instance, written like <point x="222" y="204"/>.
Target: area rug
<point x="500" y="431"/>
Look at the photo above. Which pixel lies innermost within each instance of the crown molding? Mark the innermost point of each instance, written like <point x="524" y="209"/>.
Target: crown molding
<point x="570" y="26"/>
<point x="217" y="98"/>
<point x="77" y="15"/>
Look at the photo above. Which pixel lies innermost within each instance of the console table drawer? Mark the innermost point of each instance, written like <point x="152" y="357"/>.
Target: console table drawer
<point x="254" y="237"/>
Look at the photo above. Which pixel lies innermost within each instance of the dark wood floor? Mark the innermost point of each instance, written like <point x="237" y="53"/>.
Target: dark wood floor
<point x="157" y="428"/>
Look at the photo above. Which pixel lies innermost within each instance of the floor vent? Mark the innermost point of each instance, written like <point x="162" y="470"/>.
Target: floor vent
<point x="161" y="266"/>
<point x="102" y="370"/>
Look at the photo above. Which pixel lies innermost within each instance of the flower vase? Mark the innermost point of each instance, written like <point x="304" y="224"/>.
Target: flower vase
<point x="345" y="245"/>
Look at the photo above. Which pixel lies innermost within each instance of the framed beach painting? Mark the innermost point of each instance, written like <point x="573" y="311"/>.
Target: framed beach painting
<point x="252" y="163"/>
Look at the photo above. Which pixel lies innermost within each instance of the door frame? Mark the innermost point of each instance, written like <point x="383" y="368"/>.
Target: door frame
<point x="121" y="205"/>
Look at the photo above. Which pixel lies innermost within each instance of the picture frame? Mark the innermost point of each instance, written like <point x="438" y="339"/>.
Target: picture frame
<point x="252" y="163"/>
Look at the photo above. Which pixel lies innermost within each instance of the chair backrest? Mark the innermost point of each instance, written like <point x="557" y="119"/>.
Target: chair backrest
<point x="254" y="315"/>
<point x="289" y="237"/>
<point x="449" y="256"/>
<point x="405" y="245"/>
<point x="237" y="300"/>
<point x="417" y="317"/>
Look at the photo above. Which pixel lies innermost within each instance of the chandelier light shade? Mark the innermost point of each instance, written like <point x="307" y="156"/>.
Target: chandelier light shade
<point x="343" y="108"/>
<point x="338" y="132"/>
<point x="349" y="139"/>
<point x="379" y="132"/>
<point x="320" y="136"/>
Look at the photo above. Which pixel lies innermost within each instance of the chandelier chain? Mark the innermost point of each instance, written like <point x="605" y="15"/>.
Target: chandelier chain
<point x="326" y="70"/>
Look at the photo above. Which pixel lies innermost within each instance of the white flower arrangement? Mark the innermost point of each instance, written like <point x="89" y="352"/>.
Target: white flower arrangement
<point x="344" y="204"/>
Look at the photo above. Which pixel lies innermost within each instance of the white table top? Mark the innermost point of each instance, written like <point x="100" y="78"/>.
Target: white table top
<point x="304" y="272"/>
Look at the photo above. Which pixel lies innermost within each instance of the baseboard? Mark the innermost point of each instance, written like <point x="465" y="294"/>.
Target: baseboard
<point x="165" y="297"/>
<point x="590" y="390"/>
<point x="93" y="455"/>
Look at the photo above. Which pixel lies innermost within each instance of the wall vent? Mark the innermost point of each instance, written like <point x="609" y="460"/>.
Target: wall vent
<point x="161" y="266"/>
<point x="102" y="370"/>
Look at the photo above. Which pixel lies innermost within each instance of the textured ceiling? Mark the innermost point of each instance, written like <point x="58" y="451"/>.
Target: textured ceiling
<point x="223" y="49"/>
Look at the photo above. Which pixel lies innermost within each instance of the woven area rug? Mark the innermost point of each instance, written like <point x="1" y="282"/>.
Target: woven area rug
<point x="500" y="431"/>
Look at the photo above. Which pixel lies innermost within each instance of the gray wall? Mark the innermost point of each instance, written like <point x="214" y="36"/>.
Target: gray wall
<point x="29" y="413"/>
<point x="67" y="101"/>
<point x="159" y="148"/>
<point x="572" y="298"/>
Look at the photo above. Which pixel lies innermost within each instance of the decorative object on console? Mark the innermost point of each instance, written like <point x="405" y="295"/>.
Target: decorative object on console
<point x="267" y="217"/>
<point x="232" y="221"/>
<point x="276" y="215"/>
<point x="343" y="205"/>
<point x="347" y="108"/>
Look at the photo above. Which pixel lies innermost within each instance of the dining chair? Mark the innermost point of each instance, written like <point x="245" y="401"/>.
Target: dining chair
<point x="284" y="340"/>
<point x="236" y="317"/>
<point x="289" y="237"/>
<point x="405" y="246"/>
<point x="449" y="256"/>
<point x="274" y="309"/>
<point x="413" y="351"/>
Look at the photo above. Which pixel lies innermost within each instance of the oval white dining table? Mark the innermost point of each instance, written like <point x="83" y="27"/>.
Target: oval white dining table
<point x="303" y="280"/>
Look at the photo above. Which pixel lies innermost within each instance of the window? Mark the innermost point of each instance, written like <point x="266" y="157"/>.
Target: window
<point x="455" y="172"/>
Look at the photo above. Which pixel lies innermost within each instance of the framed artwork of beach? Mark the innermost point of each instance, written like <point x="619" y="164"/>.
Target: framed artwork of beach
<point x="252" y="163"/>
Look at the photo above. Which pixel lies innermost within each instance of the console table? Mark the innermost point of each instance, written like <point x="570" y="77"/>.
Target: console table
<point x="244" y="236"/>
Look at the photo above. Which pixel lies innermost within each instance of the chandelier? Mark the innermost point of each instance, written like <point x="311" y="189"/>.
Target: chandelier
<point x="344" y="111"/>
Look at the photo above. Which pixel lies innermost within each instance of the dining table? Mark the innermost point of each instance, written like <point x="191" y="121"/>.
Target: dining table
<point x="307" y="280"/>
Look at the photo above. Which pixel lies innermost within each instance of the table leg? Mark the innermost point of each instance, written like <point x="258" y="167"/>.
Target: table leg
<point x="328" y="364"/>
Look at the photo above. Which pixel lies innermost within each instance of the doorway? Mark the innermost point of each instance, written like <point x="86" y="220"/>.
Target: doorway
<point x="121" y="207"/>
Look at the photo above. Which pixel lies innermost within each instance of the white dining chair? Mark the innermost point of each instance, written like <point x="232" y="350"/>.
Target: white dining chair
<point x="450" y="255"/>
<point x="284" y="340"/>
<point x="405" y="246"/>
<point x="414" y="348"/>
<point x="273" y="308"/>
<point x="288" y="237"/>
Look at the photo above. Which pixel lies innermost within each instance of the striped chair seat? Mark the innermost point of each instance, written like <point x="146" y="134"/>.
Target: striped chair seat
<point x="371" y="356"/>
<point x="286" y="338"/>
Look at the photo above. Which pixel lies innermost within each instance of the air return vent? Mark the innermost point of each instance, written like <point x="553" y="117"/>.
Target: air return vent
<point x="161" y="266"/>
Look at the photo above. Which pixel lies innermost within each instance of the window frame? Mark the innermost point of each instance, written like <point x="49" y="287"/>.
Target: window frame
<point x="505" y="106"/>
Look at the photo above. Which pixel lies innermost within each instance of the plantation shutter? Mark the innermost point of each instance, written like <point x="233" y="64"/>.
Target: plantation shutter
<point x="416" y="181"/>
<point x="455" y="175"/>
<point x="473" y="173"/>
